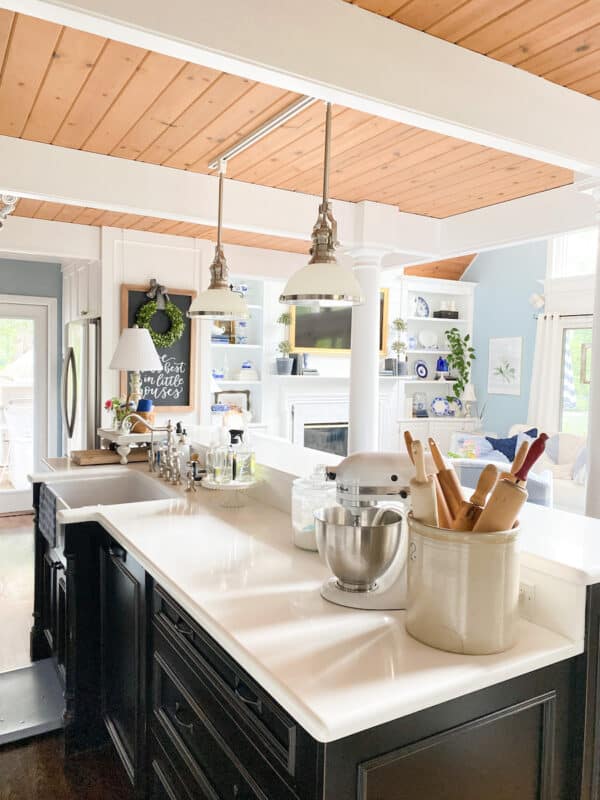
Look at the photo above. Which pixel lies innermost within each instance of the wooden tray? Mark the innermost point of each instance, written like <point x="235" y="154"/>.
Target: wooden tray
<point x="88" y="458"/>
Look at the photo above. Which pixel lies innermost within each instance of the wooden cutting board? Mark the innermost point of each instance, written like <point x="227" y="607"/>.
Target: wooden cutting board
<point x="88" y="458"/>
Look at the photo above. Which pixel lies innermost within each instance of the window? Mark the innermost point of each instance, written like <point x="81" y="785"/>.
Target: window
<point x="573" y="254"/>
<point x="576" y="364"/>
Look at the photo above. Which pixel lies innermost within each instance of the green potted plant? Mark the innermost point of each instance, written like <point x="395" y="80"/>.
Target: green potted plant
<point x="284" y="362"/>
<point x="399" y="346"/>
<point x="460" y="359"/>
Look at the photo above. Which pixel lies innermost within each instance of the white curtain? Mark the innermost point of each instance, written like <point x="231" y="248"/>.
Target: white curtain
<point x="546" y="388"/>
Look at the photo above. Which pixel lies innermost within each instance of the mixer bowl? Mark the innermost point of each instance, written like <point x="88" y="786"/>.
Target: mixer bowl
<point x="356" y="551"/>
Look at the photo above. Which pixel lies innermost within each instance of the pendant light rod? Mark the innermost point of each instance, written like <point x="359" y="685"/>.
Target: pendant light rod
<point x="222" y="169"/>
<point x="263" y="130"/>
<point x="327" y="154"/>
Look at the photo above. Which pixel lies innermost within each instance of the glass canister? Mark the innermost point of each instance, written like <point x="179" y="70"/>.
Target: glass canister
<point x="308" y="494"/>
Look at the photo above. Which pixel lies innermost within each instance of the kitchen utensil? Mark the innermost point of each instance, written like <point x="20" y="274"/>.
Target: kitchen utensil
<point x="463" y="590"/>
<point x="421" y="369"/>
<point x="448" y="480"/>
<point x="366" y="486"/>
<point x="517" y="463"/>
<point x="440" y="407"/>
<point x="508" y="498"/>
<point x="421" y="307"/>
<point x="422" y="489"/>
<point x="444" y="517"/>
<point x="471" y="511"/>
<point x="357" y="551"/>
<point x="428" y="338"/>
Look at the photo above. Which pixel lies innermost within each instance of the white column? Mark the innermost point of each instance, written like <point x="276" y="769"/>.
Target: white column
<point x="592" y="496"/>
<point x="364" y="357"/>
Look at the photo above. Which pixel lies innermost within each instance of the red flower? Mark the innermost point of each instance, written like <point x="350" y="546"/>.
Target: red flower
<point x="108" y="405"/>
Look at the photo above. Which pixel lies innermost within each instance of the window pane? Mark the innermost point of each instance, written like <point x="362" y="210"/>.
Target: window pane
<point x="574" y="254"/>
<point x="16" y="402"/>
<point x="577" y="353"/>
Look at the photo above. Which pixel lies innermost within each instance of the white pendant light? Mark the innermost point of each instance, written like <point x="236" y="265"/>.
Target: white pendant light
<point x="219" y="301"/>
<point x="323" y="282"/>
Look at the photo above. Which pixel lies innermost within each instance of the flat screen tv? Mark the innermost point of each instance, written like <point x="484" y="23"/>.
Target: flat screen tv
<point x="328" y="330"/>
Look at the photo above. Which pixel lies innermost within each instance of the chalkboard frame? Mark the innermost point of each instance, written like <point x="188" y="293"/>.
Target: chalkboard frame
<point x="126" y="289"/>
<point x="297" y="346"/>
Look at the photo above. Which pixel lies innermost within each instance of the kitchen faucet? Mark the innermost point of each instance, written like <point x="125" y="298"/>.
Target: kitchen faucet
<point x="169" y="468"/>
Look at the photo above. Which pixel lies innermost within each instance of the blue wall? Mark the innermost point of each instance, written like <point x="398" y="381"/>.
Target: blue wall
<point x="37" y="279"/>
<point x="506" y="279"/>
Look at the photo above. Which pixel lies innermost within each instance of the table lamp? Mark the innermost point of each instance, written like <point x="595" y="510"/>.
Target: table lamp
<point x="135" y="353"/>
<point x="469" y="398"/>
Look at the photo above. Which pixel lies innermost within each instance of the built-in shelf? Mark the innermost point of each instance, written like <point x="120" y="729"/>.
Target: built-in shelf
<point x="235" y="344"/>
<point x="437" y="419"/>
<point x="437" y="319"/>
<point x="327" y="377"/>
<point x="222" y="382"/>
<point x="430" y="352"/>
<point x="426" y="382"/>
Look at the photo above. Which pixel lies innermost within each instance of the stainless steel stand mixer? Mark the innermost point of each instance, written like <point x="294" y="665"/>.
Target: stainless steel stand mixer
<point x="364" y="540"/>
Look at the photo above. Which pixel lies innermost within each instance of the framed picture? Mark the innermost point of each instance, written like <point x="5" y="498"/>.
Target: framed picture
<point x="328" y="330"/>
<point x="173" y="389"/>
<point x="238" y="399"/>
<point x="504" y="367"/>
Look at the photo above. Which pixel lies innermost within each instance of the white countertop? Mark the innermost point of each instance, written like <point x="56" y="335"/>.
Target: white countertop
<point x="337" y="671"/>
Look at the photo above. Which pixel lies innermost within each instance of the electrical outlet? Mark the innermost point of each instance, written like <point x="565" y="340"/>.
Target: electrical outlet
<point x="526" y="594"/>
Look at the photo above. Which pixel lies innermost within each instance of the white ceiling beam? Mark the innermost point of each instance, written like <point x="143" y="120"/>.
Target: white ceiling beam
<point x="42" y="240"/>
<point x="74" y="177"/>
<point x="538" y="216"/>
<point x="338" y="52"/>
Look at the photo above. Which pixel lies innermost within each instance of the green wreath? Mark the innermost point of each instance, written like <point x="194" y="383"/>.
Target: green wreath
<point x="144" y="316"/>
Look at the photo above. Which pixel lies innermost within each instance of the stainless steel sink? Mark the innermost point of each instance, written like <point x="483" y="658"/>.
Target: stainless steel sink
<point x="110" y="490"/>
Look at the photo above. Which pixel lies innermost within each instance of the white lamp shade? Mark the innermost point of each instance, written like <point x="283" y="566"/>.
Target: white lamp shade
<point x="136" y="352"/>
<point x="323" y="285"/>
<point x="220" y="304"/>
<point x="469" y="394"/>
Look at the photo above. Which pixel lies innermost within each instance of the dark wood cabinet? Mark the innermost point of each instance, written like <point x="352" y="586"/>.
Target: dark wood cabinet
<point x="123" y="656"/>
<point x="190" y="724"/>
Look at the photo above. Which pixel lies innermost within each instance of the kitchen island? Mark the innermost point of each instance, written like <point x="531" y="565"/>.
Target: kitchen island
<point x="218" y="670"/>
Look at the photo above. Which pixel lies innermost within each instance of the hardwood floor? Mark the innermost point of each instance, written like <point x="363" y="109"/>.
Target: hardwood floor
<point x="36" y="770"/>
<point x="16" y="590"/>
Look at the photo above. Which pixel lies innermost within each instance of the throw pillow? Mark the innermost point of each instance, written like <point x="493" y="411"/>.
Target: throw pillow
<point x="508" y="446"/>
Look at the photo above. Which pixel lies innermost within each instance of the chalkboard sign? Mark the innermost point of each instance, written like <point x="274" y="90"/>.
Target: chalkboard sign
<point x="173" y="388"/>
<point x="328" y="330"/>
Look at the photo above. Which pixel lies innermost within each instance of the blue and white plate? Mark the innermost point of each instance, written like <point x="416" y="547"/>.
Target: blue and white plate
<point x="421" y="307"/>
<point x="455" y="407"/>
<point x="440" y="407"/>
<point x="421" y="369"/>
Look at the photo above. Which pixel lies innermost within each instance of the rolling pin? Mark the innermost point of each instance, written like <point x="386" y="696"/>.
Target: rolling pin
<point x="471" y="511"/>
<point x="422" y="489"/>
<point x="517" y="463"/>
<point x="448" y="480"/>
<point x="444" y="516"/>
<point x="508" y="498"/>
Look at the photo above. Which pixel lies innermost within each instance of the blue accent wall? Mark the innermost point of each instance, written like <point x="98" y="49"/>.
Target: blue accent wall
<point x="37" y="279"/>
<point x="506" y="279"/>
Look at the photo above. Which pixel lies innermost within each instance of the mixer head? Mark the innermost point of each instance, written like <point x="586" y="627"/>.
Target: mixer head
<point x="365" y="479"/>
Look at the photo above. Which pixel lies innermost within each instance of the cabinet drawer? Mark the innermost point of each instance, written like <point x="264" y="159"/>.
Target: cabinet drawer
<point x="180" y="721"/>
<point x="277" y="730"/>
<point x="166" y="772"/>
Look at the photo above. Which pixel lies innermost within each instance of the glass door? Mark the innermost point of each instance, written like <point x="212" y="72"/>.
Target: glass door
<point x="576" y="365"/>
<point x="23" y="401"/>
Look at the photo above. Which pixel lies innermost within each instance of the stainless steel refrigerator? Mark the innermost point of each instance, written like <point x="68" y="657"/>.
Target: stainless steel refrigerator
<point x="80" y="391"/>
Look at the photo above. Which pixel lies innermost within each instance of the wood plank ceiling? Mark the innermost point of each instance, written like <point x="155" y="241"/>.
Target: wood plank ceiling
<point x="77" y="90"/>
<point x="556" y="39"/>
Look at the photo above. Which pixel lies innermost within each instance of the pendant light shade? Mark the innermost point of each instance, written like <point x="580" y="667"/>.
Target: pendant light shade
<point x="219" y="301"/>
<point x="323" y="282"/>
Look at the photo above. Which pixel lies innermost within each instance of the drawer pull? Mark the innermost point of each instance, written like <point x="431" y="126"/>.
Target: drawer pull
<point x="188" y="726"/>
<point x="247" y="697"/>
<point x="116" y="552"/>
<point x="183" y="628"/>
<point x="57" y="565"/>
